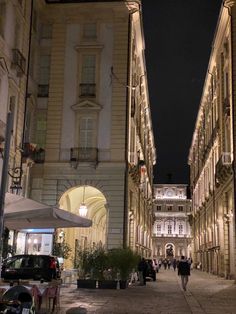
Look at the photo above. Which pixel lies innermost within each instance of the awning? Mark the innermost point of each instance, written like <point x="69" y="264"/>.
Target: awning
<point x="24" y="213"/>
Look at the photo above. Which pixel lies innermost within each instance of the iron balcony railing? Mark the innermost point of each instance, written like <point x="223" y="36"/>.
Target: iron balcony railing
<point x="18" y="61"/>
<point x="2" y="131"/>
<point x="84" y="154"/>
<point x="88" y="90"/>
<point x="43" y="90"/>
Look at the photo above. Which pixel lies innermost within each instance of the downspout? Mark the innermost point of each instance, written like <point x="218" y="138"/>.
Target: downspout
<point x="233" y="113"/>
<point x="126" y="178"/>
<point x="26" y="88"/>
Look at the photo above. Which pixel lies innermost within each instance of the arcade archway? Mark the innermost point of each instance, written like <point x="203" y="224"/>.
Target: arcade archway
<point x="95" y="202"/>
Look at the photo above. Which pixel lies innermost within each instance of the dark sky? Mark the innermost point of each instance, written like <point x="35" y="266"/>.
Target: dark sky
<point x="178" y="37"/>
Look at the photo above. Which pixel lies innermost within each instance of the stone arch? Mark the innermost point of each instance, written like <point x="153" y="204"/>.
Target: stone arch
<point x="96" y="205"/>
<point x="169" y="250"/>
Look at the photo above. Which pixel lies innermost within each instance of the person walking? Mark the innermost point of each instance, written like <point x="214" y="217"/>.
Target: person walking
<point x="174" y="263"/>
<point x="142" y="271"/>
<point x="184" y="271"/>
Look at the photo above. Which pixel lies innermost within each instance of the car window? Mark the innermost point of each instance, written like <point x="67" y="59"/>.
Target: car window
<point x="38" y="262"/>
<point x="15" y="264"/>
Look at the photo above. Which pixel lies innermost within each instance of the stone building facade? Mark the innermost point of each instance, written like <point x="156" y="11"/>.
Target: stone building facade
<point x="88" y="136"/>
<point x="171" y="228"/>
<point x="212" y="154"/>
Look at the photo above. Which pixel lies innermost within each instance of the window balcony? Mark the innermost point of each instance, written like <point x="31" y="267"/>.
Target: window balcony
<point x="2" y="131"/>
<point x="18" y="62"/>
<point x="223" y="168"/>
<point x="87" y="90"/>
<point x="32" y="152"/>
<point x="83" y="154"/>
<point x="226" y="106"/>
<point x="43" y="90"/>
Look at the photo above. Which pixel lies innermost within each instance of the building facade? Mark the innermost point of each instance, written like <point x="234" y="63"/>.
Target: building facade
<point x="171" y="228"/>
<point x="212" y="154"/>
<point x="88" y="140"/>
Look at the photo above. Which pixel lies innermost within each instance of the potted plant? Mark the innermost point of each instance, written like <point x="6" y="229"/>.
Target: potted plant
<point x="84" y="258"/>
<point x="123" y="260"/>
<point x="102" y="270"/>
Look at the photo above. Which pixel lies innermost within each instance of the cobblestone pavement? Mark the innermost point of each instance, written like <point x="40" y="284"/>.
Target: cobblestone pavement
<point x="205" y="294"/>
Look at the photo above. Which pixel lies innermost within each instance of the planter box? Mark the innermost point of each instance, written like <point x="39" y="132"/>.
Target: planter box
<point x="107" y="284"/>
<point x="123" y="284"/>
<point x="86" y="283"/>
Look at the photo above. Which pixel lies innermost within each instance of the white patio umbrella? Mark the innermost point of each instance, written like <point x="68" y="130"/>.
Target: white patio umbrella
<point x="24" y="213"/>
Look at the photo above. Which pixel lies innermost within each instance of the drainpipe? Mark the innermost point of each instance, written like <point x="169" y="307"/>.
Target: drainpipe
<point x="26" y="87"/>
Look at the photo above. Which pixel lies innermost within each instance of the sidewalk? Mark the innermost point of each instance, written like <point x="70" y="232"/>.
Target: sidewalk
<point x="205" y="294"/>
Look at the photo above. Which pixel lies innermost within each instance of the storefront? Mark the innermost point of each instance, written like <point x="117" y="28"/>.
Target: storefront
<point x="34" y="241"/>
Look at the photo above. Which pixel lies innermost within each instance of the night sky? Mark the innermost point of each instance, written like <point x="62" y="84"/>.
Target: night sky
<point x="178" y="37"/>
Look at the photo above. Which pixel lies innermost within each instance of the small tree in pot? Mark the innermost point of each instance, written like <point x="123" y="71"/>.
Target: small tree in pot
<point x="84" y="263"/>
<point x="123" y="260"/>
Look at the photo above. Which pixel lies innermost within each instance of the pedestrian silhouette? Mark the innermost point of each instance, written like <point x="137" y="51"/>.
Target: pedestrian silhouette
<point x="184" y="271"/>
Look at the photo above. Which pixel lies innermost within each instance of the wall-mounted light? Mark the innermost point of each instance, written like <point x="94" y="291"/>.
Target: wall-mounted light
<point x="83" y="208"/>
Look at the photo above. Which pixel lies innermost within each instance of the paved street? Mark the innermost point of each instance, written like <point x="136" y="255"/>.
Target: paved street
<point x="205" y="294"/>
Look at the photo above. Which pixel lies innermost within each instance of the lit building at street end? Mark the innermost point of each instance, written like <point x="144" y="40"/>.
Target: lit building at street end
<point x="171" y="229"/>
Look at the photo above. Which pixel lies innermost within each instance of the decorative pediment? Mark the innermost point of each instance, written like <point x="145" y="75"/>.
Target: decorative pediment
<point x="86" y="105"/>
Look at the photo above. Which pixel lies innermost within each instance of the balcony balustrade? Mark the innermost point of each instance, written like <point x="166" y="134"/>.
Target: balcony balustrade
<point x="223" y="168"/>
<point x="83" y="154"/>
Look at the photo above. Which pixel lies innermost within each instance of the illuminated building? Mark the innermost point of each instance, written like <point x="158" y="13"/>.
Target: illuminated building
<point x="212" y="154"/>
<point x="171" y="229"/>
<point x="88" y="131"/>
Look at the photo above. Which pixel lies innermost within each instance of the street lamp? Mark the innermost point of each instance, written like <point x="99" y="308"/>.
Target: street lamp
<point x="83" y="208"/>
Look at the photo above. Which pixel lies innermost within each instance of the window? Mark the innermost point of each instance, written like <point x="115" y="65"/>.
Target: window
<point x="158" y="208"/>
<point x="169" y="229"/>
<point x="86" y="132"/>
<point x="46" y="31"/>
<point x="169" y="208"/>
<point x="12" y="108"/>
<point x="180" y="229"/>
<point x="44" y="75"/>
<point x="181" y="208"/>
<point x="87" y="86"/>
<point x="158" y="228"/>
<point x="90" y="31"/>
<point x="2" y="18"/>
<point x="18" y="33"/>
<point x="41" y="127"/>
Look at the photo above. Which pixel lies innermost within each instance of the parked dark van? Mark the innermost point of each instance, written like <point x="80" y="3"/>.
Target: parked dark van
<point x="35" y="267"/>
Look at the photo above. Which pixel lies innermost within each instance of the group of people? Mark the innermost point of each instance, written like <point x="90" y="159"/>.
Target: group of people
<point x="151" y="267"/>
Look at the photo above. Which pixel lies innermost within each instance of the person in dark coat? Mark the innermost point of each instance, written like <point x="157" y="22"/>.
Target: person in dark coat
<point x="184" y="271"/>
<point x="142" y="269"/>
<point x="174" y="263"/>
